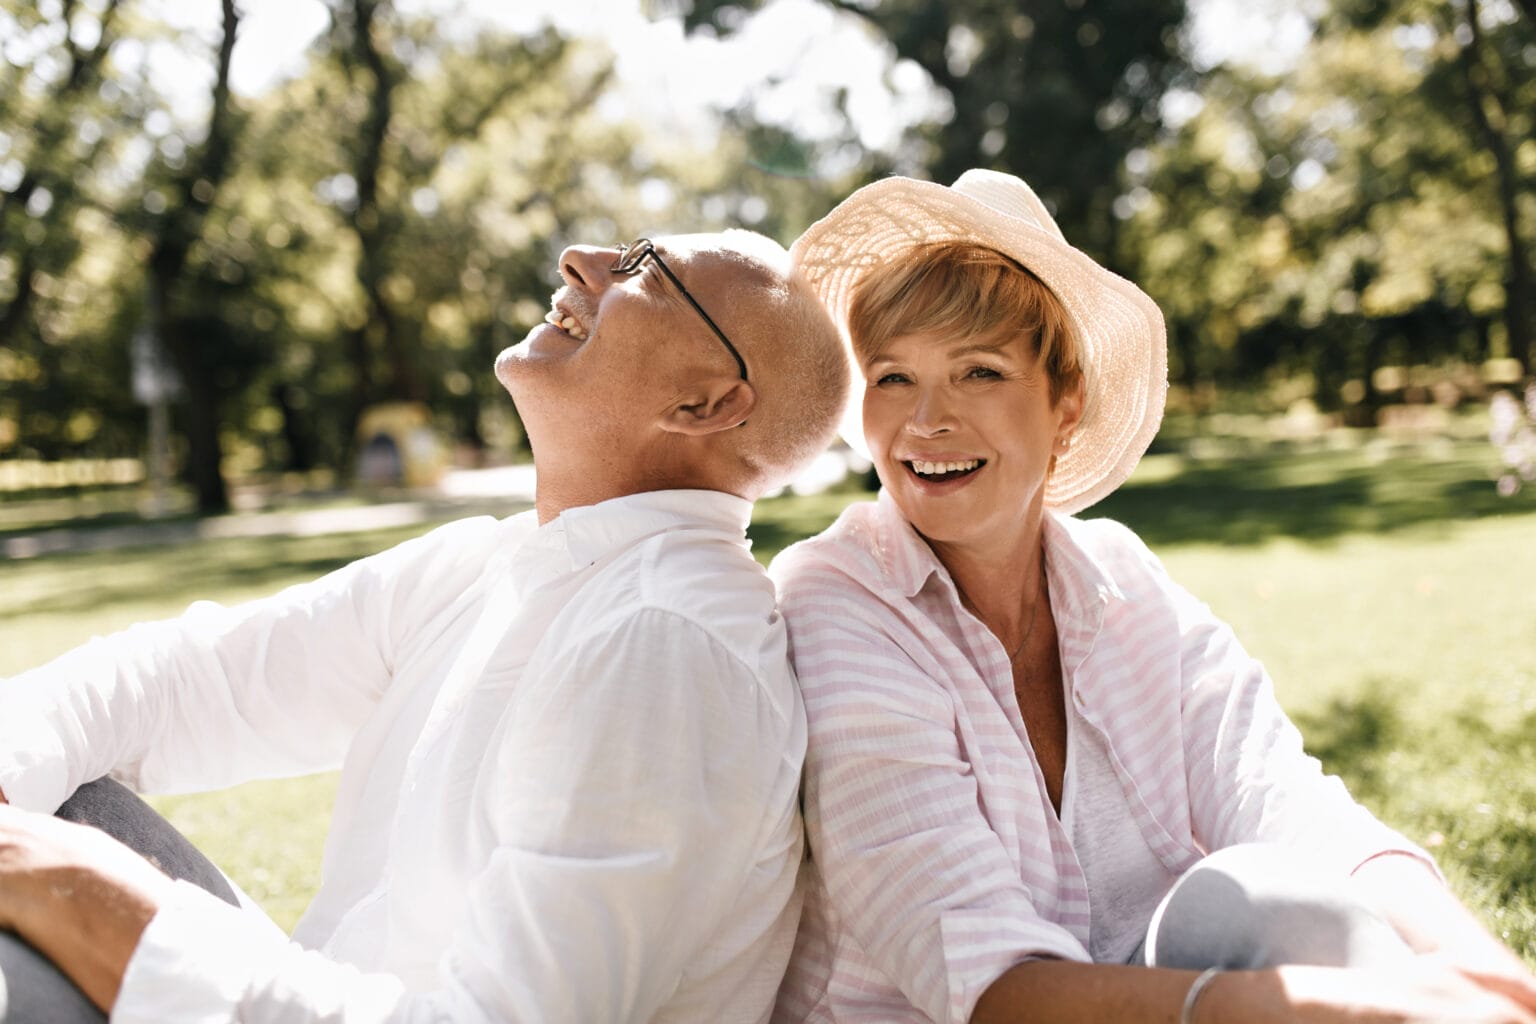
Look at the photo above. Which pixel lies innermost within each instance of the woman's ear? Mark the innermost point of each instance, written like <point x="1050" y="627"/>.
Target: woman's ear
<point x="719" y="405"/>
<point x="1069" y="409"/>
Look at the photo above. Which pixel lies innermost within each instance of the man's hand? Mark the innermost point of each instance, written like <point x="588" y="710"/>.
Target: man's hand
<point x="80" y="897"/>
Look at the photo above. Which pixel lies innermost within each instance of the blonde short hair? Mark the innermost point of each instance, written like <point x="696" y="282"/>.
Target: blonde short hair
<point x="964" y="291"/>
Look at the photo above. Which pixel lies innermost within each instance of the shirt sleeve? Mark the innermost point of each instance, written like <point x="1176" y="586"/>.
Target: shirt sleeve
<point x="911" y="868"/>
<point x="220" y="695"/>
<point x="640" y="773"/>
<point x="1250" y="780"/>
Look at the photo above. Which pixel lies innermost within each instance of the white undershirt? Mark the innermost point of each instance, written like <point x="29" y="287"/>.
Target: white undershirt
<point x="1126" y="879"/>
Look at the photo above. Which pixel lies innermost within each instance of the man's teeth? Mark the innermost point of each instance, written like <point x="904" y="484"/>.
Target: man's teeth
<point x="568" y="324"/>
<point x="934" y="468"/>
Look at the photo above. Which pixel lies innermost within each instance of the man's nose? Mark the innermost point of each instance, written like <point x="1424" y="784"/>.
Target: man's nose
<point x="587" y="266"/>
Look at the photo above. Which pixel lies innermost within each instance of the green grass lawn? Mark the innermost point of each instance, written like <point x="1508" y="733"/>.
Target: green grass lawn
<point x="1389" y="591"/>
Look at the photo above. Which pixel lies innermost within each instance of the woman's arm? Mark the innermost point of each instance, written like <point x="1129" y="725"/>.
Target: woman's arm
<point x="1250" y="779"/>
<point x="1075" y="993"/>
<point x="1434" y="922"/>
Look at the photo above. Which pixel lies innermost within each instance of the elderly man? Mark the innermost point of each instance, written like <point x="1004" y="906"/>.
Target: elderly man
<point x="570" y="741"/>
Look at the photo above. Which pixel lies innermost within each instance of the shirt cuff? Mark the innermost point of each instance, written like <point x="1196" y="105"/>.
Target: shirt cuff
<point x="195" y="961"/>
<point x="40" y="787"/>
<point x="1407" y="849"/>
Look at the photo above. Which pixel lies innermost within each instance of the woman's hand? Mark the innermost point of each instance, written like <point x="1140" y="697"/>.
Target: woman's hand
<point x="1429" y="917"/>
<point x="1498" y="971"/>
<point x="1428" y="990"/>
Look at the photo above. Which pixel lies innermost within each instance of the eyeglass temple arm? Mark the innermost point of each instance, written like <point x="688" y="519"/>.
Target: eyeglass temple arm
<point x="741" y="363"/>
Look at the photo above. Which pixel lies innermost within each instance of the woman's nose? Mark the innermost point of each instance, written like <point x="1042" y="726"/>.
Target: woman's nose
<point x="932" y="414"/>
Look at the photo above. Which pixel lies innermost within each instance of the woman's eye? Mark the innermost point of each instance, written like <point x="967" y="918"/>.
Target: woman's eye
<point x="891" y="378"/>
<point x="982" y="372"/>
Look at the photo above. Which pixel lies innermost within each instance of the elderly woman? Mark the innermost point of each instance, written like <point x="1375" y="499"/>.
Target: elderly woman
<point x="1044" y="782"/>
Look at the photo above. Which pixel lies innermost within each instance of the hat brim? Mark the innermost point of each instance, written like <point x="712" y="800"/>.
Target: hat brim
<point x="1124" y="350"/>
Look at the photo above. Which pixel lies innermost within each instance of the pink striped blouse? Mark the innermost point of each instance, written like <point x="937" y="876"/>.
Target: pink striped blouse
<point x="937" y="859"/>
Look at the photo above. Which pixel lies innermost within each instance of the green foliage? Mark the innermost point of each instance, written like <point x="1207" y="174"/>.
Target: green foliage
<point x="389" y="217"/>
<point x="1348" y="214"/>
<point x="1056" y="93"/>
<point x="390" y="220"/>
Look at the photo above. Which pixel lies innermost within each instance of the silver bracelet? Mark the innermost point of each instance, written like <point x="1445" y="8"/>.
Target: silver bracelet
<point x="1187" y="1015"/>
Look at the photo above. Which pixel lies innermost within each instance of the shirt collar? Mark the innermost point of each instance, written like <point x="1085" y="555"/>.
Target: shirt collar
<point x="905" y="558"/>
<point x="1081" y="586"/>
<point x="591" y="532"/>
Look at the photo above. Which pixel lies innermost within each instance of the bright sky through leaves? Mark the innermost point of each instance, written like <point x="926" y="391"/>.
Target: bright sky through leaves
<point x="672" y="81"/>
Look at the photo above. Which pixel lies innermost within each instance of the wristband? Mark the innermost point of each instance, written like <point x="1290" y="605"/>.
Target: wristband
<point x="1201" y="983"/>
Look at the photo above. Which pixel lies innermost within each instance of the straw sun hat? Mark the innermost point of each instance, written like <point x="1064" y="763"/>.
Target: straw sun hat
<point x="1124" y="347"/>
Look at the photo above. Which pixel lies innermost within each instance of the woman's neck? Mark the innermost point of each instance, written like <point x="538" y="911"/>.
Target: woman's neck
<point x="999" y="583"/>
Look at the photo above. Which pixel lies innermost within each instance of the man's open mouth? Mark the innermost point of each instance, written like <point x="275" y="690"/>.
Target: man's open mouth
<point x="941" y="471"/>
<point x="562" y="320"/>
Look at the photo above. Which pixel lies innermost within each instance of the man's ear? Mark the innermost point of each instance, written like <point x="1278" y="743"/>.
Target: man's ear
<point x="718" y="405"/>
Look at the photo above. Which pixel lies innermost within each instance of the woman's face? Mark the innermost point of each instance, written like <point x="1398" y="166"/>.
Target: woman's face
<point x="962" y="431"/>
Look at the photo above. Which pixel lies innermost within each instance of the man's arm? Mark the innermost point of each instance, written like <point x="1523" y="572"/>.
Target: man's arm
<point x="220" y="695"/>
<point x="638" y="780"/>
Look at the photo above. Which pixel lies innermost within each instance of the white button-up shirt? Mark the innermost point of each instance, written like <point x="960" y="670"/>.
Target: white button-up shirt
<point x="937" y="859"/>
<point x="570" y="759"/>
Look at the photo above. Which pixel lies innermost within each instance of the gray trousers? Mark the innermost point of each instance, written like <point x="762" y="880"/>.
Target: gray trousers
<point x="32" y="991"/>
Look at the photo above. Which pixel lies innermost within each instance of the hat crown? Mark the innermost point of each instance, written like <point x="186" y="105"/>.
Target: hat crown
<point x="1009" y="196"/>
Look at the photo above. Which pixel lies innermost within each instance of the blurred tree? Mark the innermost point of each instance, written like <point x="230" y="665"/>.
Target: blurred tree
<point x="1343" y="216"/>
<point x="64" y="118"/>
<point x="1492" y="70"/>
<point x="1057" y="93"/>
<point x="43" y="188"/>
<point x="376" y="227"/>
<point x="400" y="251"/>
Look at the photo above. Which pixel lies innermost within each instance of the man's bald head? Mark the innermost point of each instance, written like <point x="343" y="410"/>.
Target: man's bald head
<point x="795" y="359"/>
<point x="629" y="389"/>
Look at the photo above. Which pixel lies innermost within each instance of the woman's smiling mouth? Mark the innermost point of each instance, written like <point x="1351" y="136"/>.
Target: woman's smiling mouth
<point x="941" y="471"/>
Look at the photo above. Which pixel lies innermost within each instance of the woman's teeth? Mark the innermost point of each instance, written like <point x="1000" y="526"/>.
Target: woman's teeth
<point x="567" y="324"/>
<point x="936" y="468"/>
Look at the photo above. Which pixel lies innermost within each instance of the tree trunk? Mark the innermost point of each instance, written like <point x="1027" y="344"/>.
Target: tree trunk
<point x="1489" y="112"/>
<point x="298" y="433"/>
<point x="180" y="227"/>
<point x="382" y="328"/>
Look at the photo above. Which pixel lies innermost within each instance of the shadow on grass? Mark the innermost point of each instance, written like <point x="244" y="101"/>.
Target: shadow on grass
<point x="1455" y="784"/>
<point x="1355" y="736"/>
<point x="74" y="583"/>
<point x="1248" y="498"/>
<point x="1316" y="496"/>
